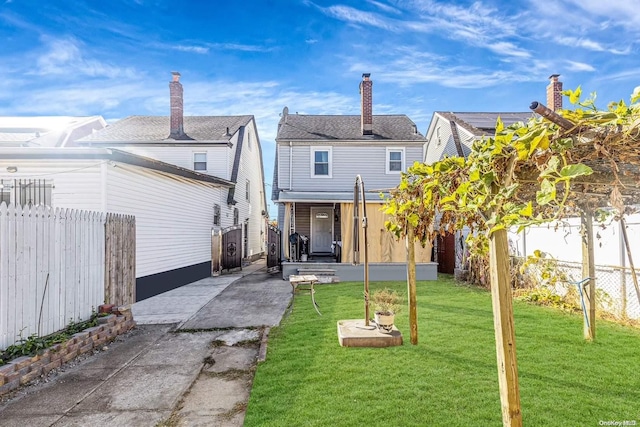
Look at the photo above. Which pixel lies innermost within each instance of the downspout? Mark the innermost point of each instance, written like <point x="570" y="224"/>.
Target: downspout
<point x="290" y="165"/>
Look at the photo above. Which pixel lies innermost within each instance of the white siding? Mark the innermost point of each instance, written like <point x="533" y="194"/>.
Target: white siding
<point x="77" y="183"/>
<point x="174" y="216"/>
<point x="440" y="141"/>
<point x="348" y="161"/>
<point x="217" y="156"/>
<point x="251" y="170"/>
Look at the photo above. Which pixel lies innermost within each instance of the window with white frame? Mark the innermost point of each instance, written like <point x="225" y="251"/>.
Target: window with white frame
<point x="395" y="160"/>
<point x="216" y="214"/>
<point x="199" y="161"/>
<point x="321" y="161"/>
<point x="236" y="216"/>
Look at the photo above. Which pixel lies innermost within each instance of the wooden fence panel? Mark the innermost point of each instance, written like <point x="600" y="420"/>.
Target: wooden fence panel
<point x="51" y="269"/>
<point x="120" y="259"/>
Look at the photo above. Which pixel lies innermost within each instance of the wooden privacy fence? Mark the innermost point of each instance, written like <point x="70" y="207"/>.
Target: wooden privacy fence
<point x="120" y="259"/>
<point x="53" y="268"/>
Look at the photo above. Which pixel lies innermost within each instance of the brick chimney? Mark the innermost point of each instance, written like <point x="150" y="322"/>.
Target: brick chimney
<point x="177" y="110"/>
<point x="554" y="93"/>
<point x="366" y="96"/>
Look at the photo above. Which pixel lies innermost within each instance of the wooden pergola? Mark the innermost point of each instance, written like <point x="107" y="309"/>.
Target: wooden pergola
<point x="612" y="151"/>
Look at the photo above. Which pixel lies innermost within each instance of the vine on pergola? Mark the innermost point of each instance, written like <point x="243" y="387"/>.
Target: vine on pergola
<point x="527" y="173"/>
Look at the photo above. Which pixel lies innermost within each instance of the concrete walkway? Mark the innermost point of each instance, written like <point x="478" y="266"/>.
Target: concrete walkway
<point x="188" y="363"/>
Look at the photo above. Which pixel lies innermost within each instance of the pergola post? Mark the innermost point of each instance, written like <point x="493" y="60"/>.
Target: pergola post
<point x="588" y="270"/>
<point x="411" y="285"/>
<point x="504" y="326"/>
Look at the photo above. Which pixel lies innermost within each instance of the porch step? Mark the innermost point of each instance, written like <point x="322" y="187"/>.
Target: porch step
<point x="324" y="275"/>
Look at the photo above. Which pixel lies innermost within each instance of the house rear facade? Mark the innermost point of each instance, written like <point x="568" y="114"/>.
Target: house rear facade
<point x="317" y="160"/>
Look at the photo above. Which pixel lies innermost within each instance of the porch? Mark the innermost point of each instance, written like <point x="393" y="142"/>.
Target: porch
<point x="318" y="239"/>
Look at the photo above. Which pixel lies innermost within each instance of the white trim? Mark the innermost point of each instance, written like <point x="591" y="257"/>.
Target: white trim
<point x="206" y="160"/>
<point x="388" y="159"/>
<point x="312" y="158"/>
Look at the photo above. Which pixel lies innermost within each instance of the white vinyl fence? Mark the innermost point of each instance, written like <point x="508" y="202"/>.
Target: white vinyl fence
<point x="52" y="265"/>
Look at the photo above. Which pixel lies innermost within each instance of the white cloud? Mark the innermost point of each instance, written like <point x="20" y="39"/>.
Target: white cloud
<point x="589" y="44"/>
<point x="188" y="48"/>
<point x="579" y="66"/>
<point x="478" y="25"/>
<point x="356" y="16"/>
<point x="508" y="49"/>
<point x="64" y="57"/>
<point x="384" y="7"/>
<point x="625" y="13"/>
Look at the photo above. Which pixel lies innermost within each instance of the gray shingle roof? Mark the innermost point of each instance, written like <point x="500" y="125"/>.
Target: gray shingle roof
<point x="480" y="124"/>
<point x="312" y="127"/>
<point x="156" y="128"/>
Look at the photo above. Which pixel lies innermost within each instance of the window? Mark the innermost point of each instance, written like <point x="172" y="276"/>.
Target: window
<point x="216" y="214"/>
<point x="199" y="161"/>
<point x="247" y="191"/>
<point x="236" y="216"/>
<point x="5" y="192"/>
<point x="26" y="192"/>
<point x="321" y="162"/>
<point x="395" y="160"/>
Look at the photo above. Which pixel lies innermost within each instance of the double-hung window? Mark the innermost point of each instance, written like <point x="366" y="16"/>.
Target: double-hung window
<point x="395" y="160"/>
<point x="321" y="162"/>
<point x="199" y="161"/>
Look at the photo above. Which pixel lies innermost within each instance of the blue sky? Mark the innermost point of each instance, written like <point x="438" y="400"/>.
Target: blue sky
<point x="114" y="58"/>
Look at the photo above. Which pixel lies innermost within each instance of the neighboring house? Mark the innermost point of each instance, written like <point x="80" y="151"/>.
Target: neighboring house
<point x="227" y="147"/>
<point x="173" y="206"/>
<point x="317" y="160"/>
<point x="453" y="134"/>
<point x="47" y="131"/>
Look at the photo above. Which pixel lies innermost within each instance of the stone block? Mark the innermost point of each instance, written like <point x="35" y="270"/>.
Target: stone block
<point x="110" y="319"/>
<point x="21" y="362"/>
<point x="81" y="336"/>
<point x="51" y="365"/>
<point x="70" y="356"/>
<point x="86" y="348"/>
<point x="7" y="369"/>
<point x="10" y="386"/>
<point x="29" y="377"/>
<point x="354" y="333"/>
<point x="94" y="330"/>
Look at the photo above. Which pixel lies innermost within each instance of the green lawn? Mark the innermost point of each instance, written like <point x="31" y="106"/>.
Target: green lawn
<point x="450" y="377"/>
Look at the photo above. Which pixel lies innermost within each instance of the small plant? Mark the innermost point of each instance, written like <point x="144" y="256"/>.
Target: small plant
<point x="33" y="344"/>
<point x="386" y="301"/>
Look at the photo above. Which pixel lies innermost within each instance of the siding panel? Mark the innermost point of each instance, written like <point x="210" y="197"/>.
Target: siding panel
<point x="173" y="219"/>
<point x="217" y="163"/>
<point x="347" y="162"/>
<point x="77" y="183"/>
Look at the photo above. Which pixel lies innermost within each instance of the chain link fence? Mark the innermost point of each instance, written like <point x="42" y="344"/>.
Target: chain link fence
<point x="615" y="291"/>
